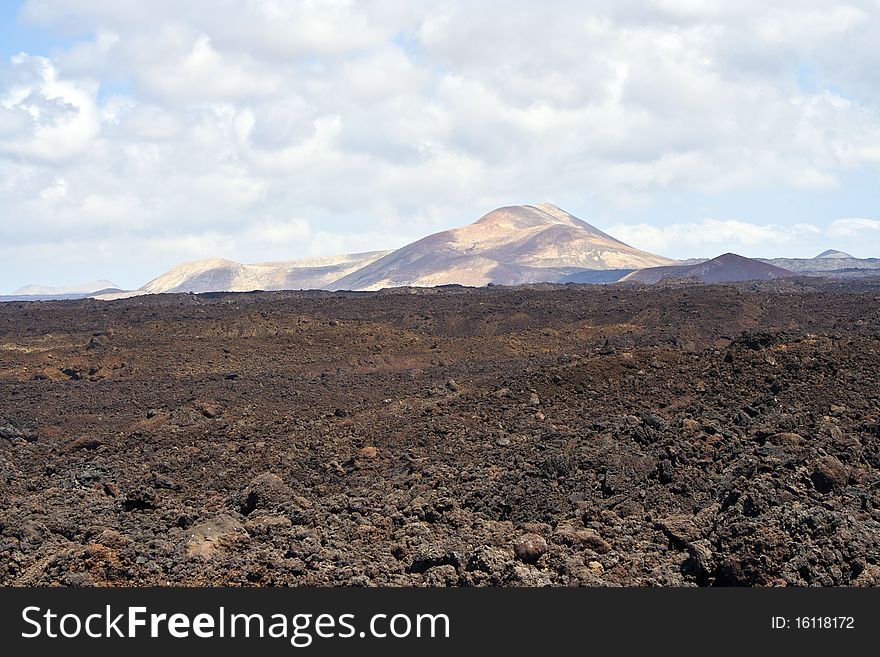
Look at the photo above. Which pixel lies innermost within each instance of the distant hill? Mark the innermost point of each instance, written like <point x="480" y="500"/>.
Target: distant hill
<point x="46" y="293"/>
<point x="108" y="293"/>
<point x="727" y="268"/>
<point x="80" y="289"/>
<point x="835" y="266"/>
<point x="822" y="265"/>
<point x="831" y="253"/>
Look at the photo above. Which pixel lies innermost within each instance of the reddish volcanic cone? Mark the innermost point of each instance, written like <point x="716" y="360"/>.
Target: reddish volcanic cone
<point x="727" y="268"/>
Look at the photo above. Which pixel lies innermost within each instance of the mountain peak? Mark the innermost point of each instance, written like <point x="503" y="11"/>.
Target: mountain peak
<point x="525" y="216"/>
<point x="730" y="258"/>
<point x="555" y="211"/>
<point x="832" y="253"/>
<point x="512" y="218"/>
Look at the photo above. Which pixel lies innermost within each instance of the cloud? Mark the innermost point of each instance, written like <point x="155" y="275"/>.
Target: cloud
<point x="47" y="119"/>
<point x="711" y="237"/>
<point x="855" y="227"/>
<point x="215" y="120"/>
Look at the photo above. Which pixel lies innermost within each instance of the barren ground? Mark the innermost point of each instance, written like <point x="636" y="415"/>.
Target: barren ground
<point x="703" y="435"/>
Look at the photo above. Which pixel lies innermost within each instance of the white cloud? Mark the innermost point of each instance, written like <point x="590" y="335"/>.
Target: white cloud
<point x="53" y="119"/>
<point x="710" y="237"/>
<point x="707" y="235"/>
<point x="855" y="227"/>
<point x="222" y="121"/>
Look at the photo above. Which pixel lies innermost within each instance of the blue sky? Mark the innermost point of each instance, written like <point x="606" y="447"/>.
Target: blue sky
<point x="134" y="136"/>
<point x="16" y="35"/>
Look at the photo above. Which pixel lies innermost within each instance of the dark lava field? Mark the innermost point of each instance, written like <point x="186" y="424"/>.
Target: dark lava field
<point x="534" y="436"/>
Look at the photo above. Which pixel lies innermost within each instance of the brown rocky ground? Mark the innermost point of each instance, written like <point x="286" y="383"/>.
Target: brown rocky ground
<point x="520" y="436"/>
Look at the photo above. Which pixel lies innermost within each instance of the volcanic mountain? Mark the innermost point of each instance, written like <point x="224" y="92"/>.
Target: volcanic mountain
<point x="725" y="268"/>
<point x="509" y="246"/>
<point x="833" y="253"/>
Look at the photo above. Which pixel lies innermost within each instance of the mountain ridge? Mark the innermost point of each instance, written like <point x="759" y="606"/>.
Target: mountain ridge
<point x="509" y="245"/>
<point x="726" y="268"/>
<point x="223" y="275"/>
<point x="90" y="287"/>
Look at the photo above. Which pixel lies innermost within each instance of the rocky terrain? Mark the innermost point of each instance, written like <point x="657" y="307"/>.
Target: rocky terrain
<point x="544" y="435"/>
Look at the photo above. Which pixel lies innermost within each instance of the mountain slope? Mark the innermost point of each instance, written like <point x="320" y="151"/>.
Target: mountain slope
<point x="508" y="246"/>
<point x="221" y="275"/>
<point x="725" y="268"/>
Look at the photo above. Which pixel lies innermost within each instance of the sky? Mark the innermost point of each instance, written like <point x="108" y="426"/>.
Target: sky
<point x="134" y="136"/>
